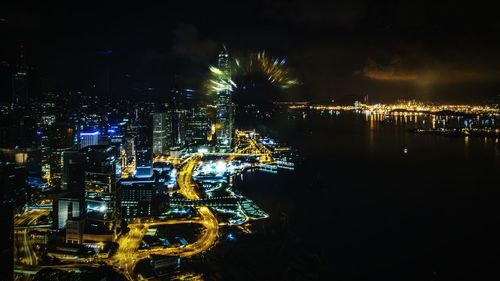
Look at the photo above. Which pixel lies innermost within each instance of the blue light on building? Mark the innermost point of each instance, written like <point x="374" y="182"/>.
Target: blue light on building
<point x="89" y="138"/>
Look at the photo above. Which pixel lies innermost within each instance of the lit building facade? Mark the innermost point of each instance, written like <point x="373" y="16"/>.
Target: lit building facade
<point x="197" y="127"/>
<point x="74" y="230"/>
<point x="102" y="172"/>
<point x="67" y="208"/>
<point x="161" y="131"/>
<point x="89" y="138"/>
<point x="225" y="108"/>
<point x="179" y="127"/>
<point x="143" y="162"/>
<point x="137" y="200"/>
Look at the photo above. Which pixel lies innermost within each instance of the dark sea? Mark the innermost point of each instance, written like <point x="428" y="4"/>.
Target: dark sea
<point x="370" y="200"/>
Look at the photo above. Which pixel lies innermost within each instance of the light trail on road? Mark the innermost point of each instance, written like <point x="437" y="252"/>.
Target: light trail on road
<point x="24" y="252"/>
<point x="128" y="254"/>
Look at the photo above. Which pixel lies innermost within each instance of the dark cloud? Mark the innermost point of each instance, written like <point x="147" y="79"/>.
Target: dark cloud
<point x="441" y="47"/>
<point x="428" y="72"/>
<point x="338" y="13"/>
<point x="188" y="44"/>
<point x="392" y="72"/>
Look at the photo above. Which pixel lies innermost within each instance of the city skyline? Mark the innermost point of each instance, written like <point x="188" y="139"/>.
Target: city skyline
<point x="268" y="140"/>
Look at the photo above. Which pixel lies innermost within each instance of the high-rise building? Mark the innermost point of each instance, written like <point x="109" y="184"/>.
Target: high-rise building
<point x="161" y="131"/>
<point x="129" y="148"/>
<point x="20" y="87"/>
<point x="179" y="118"/>
<point x="74" y="230"/>
<point x="197" y="127"/>
<point x="177" y="108"/>
<point x="67" y="208"/>
<point x="137" y="200"/>
<point x="116" y="132"/>
<point x="225" y="106"/>
<point x="102" y="172"/>
<point x="13" y="182"/>
<point x="89" y="138"/>
<point x="53" y="138"/>
<point x="73" y="175"/>
<point x="143" y="162"/>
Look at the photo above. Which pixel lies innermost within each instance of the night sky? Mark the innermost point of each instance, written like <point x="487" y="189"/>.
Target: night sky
<point x="340" y="50"/>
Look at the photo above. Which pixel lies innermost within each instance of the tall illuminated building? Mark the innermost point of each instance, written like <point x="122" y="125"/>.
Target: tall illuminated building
<point x="54" y="139"/>
<point x="102" y="172"/>
<point x="129" y="148"/>
<point x="179" y="127"/>
<point x="161" y="129"/>
<point x="178" y="114"/>
<point x="143" y="162"/>
<point x="197" y="127"/>
<point x="225" y="107"/>
<point x="67" y="208"/>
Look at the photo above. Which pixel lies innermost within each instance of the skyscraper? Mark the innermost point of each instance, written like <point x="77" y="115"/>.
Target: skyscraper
<point x="13" y="183"/>
<point x="20" y="81"/>
<point x="73" y="175"/>
<point x="54" y="139"/>
<point x="177" y="113"/>
<point x="197" y="126"/>
<point x="161" y="129"/>
<point x="102" y="171"/>
<point x="129" y="148"/>
<point x="143" y="162"/>
<point x="67" y="208"/>
<point x="225" y="107"/>
<point x="178" y="127"/>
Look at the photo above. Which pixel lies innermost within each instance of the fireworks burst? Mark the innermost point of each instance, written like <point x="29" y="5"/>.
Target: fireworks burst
<point x="274" y="69"/>
<point x="220" y="80"/>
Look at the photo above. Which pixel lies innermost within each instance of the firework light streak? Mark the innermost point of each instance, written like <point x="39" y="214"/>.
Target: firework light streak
<point x="275" y="70"/>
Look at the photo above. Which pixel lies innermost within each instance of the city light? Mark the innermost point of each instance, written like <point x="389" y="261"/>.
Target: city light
<point x="251" y="140"/>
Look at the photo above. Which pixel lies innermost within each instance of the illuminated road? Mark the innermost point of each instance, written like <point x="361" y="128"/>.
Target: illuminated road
<point x="128" y="254"/>
<point x="24" y="251"/>
<point x="251" y="148"/>
<point x="208" y="220"/>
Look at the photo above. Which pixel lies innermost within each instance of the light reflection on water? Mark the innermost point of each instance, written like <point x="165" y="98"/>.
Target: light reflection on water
<point x="378" y="188"/>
